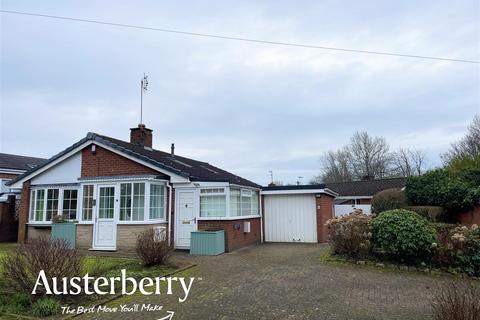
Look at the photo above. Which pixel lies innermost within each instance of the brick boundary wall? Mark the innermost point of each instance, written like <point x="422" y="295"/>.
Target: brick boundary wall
<point x="324" y="206"/>
<point x="235" y="238"/>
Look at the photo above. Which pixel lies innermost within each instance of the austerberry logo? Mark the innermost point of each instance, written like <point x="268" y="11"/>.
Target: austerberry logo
<point x="102" y="285"/>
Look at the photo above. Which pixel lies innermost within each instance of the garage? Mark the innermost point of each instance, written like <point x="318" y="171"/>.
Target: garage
<point x="296" y="213"/>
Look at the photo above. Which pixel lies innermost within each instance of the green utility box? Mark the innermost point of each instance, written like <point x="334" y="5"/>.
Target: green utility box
<point x="67" y="231"/>
<point x="207" y="243"/>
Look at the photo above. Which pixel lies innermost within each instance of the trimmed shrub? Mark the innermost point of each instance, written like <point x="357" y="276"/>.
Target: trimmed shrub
<point x="351" y="234"/>
<point x="456" y="301"/>
<point x="389" y="199"/>
<point x="45" y="307"/>
<point x="153" y="248"/>
<point x="22" y="266"/>
<point x="470" y="259"/>
<point x="404" y="235"/>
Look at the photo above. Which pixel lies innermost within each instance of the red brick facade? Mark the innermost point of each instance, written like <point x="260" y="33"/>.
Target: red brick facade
<point x="235" y="237"/>
<point x="8" y="175"/>
<point x="324" y="205"/>
<point x="106" y="163"/>
<point x="142" y="136"/>
<point x="471" y="217"/>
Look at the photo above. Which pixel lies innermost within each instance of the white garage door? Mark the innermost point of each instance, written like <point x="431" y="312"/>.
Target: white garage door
<point x="290" y="218"/>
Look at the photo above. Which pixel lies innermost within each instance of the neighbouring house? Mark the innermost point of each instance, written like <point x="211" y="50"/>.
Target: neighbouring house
<point x="359" y="194"/>
<point x="114" y="189"/>
<point x="11" y="166"/>
<point x="297" y="213"/>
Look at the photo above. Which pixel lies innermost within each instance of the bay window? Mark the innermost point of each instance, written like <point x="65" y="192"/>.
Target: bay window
<point x="52" y="203"/>
<point x="213" y="202"/>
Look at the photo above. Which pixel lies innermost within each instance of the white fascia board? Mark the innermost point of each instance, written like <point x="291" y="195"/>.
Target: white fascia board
<point x="244" y="187"/>
<point x="173" y="177"/>
<point x="11" y="171"/>
<point x="300" y="191"/>
<point x="209" y="184"/>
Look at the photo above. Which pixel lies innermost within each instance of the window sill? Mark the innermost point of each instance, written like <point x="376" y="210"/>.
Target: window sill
<point x="227" y="218"/>
<point x="40" y="224"/>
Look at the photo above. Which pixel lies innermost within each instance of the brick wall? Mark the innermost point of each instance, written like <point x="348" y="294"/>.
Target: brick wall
<point x="37" y="232"/>
<point x="84" y="236"/>
<point x="8" y="175"/>
<point x="106" y="163"/>
<point x="23" y="213"/>
<point x="324" y="204"/>
<point x="471" y="217"/>
<point x="234" y="238"/>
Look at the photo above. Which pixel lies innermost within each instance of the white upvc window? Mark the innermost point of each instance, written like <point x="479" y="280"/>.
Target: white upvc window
<point x="45" y="203"/>
<point x="244" y="202"/>
<point x="142" y="202"/>
<point x="87" y="202"/>
<point x="157" y="202"/>
<point x="213" y="202"/>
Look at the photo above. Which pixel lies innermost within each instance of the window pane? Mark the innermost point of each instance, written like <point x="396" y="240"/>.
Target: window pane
<point x="138" y="201"/>
<point x="126" y="201"/>
<point x="106" y="200"/>
<point x="39" y="205"/>
<point x="213" y="206"/>
<point x="87" y="203"/>
<point x="157" y="201"/>
<point x="246" y="205"/>
<point x="32" y="205"/>
<point x="52" y="203"/>
<point x="70" y="203"/>
<point x="255" y="203"/>
<point x="235" y="202"/>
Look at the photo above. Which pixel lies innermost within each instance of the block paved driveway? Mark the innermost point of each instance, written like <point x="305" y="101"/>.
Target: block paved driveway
<point x="288" y="281"/>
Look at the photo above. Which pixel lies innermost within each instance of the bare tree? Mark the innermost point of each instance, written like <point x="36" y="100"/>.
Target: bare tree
<point x="369" y="156"/>
<point x="407" y="163"/>
<point x="469" y="145"/>
<point x="336" y="167"/>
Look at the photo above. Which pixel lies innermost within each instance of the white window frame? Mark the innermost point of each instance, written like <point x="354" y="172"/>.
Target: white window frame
<point x="224" y="193"/>
<point x="33" y="204"/>
<point x="227" y="195"/>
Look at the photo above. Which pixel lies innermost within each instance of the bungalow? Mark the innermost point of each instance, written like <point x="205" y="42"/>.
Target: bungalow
<point x="359" y="194"/>
<point x="115" y="189"/>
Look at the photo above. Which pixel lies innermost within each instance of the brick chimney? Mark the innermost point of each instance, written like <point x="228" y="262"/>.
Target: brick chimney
<point x="141" y="135"/>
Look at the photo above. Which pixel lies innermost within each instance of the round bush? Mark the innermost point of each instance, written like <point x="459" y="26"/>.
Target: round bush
<point x="403" y="234"/>
<point x="388" y="200"/>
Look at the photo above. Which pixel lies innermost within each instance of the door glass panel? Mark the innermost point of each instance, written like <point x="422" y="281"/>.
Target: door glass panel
<point x="106" y="202"/>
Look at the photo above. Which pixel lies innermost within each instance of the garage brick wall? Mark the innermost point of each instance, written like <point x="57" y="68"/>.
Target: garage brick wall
<point x="324" y="205"/>
<point x="235" y="237"/>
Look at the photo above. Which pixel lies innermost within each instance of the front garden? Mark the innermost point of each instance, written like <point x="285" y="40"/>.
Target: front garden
<point x="20" y="266"/>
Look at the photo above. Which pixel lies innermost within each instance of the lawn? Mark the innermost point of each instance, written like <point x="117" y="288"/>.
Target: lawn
<point x="12" y="302"/>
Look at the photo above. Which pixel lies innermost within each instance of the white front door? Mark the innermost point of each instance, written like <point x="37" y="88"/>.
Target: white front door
<point x="105" y="230"/>
<point x="186" y="221"/>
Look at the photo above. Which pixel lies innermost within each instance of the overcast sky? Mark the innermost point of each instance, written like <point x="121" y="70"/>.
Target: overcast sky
<point x="247" y="108"/>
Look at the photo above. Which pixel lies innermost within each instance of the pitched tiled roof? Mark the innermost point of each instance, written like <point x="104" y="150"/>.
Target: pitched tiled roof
<point x="186" y="167"/>
<point x="365" y="187"/>
<point x="16" y="162"/>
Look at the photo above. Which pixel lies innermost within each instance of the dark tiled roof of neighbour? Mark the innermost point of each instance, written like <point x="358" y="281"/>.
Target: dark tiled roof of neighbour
<point x="16" y="162"/>
<point x="294" y="187"/>
<point x="365" y="187"/>
<point x="186" y="167"/>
